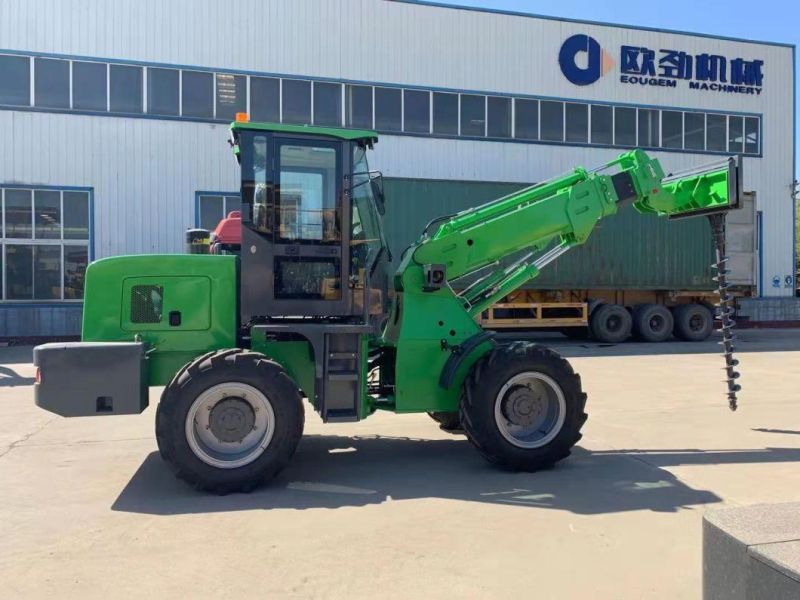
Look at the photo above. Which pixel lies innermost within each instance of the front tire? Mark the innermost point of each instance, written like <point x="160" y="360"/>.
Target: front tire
<point x="449" y="422"/>
<point x="229" y="421"/>
<point x="522" y="407"/>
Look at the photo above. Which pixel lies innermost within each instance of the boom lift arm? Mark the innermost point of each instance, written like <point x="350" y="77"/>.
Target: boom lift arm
<point x="537" y="224"/>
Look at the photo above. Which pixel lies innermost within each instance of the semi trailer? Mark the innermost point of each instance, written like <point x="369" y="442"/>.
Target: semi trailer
<point x="305" y="311"/>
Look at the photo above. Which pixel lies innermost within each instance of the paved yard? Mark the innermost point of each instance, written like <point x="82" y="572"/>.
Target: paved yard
<point x="394" y="508"/>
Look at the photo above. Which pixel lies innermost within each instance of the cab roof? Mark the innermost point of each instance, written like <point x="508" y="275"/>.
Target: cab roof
<point x="369" y="137"/>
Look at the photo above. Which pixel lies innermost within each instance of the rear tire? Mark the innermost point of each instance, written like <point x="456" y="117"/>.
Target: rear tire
<point x="522" y="407"/>
<point x="448" y="421"/>
<point x="229" y="420"/>
<point x="611" y="323"/>
<point x="693" y="322"/>
<point x="652" y="323"/>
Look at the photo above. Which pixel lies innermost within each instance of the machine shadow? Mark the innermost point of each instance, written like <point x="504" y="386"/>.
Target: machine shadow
<point x="336" y="471"/>
<point x="10" y="378"/>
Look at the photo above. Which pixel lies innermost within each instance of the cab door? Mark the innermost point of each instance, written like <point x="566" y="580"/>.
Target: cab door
<point x="294" y="229"/>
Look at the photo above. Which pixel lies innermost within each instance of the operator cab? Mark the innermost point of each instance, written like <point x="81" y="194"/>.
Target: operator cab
<point x="312" y="244"/>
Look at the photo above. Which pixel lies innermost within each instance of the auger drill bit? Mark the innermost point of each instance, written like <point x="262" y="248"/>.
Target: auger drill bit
<point x="725" y="310"/>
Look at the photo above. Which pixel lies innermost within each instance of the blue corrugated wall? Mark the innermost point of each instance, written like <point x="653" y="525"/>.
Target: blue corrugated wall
<point x="36" y="321"/>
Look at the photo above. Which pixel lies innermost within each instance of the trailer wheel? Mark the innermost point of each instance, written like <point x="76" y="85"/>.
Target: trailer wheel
<point x="693" y="322"/>
<point x="652" y="323"/>
<point x="229" y="421"/>
<point x="448" y="421"/>
<point x="611" y="323"/>
<point x="522" y="407"/>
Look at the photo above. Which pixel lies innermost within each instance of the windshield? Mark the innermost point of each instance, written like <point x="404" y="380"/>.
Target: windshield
<point x="365" y="238"/>
<point x="368" y="265"/>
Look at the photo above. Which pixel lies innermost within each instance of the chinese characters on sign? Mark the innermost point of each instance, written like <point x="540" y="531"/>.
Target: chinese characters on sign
<point x="643" y="66"/>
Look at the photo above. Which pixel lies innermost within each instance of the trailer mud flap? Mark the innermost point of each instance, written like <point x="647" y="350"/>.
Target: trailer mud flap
<point x="81" y="379"/>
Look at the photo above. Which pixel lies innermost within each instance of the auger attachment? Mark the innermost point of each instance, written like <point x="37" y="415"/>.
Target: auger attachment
<point x="711" y="190"/>
<point x="725" y="310"/>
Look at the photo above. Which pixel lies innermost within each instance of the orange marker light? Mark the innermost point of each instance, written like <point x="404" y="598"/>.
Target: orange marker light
<point x="242" y="118"/>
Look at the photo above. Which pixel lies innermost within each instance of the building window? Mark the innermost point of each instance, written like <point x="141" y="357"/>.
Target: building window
<point x="231" y="96"/>
<point x="526" y="119"/>
<point x="121" y="89"/>
<point x="44" y="243"/>
<point x="213" y="207"/>
<point x="694" y="133"/>
<point x="445" y="113"/>
<point x="416" y="111"/>
<point x="51" y="83"/>
<point x="388" y="109"/>
<point x="716" y="133"/>
<point x="163" y="93"/>
<point x="296" y="101"/>
<point x="672" y="128"/>
<point x="358" y="106"/>
<point x="577" y="122"/>
<point x="751" y="144"/>
<point x="552" y="121"/>
<point x="197" y="94"/>
<point x="624" y="126"/>
<point x="499" y="117"/>
<point x="473" y="115"/>
<point x="648" y="128"/>
<point x="602" y="125"/>
<point x="327" y="104"/>
<point x="89" y="86"/>
<point x="15" y="80"/>
<point x="736" y="134"/>
<point x="126" y="89"/>
<point x="265" y="99"/>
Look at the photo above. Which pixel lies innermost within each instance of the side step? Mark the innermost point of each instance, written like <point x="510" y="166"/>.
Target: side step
<point x="339" y="365"/>
<point x="342" y="379"/>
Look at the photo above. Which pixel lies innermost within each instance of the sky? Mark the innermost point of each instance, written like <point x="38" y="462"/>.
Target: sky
<point x="768" y="20"/>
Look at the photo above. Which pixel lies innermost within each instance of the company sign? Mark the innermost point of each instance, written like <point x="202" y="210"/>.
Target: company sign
<point x="583" y="62"/>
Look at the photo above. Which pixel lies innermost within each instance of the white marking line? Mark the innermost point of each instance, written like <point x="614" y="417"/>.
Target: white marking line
<point x="327" y="488"/>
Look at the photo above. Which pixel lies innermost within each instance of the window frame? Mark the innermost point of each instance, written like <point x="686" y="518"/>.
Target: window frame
<point x="33" y="241"/>
<point x="376" y="89"/>
<point x="205" y="193"/>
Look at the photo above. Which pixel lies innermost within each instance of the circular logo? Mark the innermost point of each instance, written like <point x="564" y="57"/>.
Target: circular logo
<point x="597" y="61"/>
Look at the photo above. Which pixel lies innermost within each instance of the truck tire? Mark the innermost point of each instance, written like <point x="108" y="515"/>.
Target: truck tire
<point x="229" y="420"/>
<point x="448" y="421"/>
<point x="522" y="407"/>
<point x="611" y="323"/>
<point x="693" y="322"/>
<point x="652" y="323"/>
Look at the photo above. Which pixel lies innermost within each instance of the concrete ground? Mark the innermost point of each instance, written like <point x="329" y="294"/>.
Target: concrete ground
<point x="394" y="508"/>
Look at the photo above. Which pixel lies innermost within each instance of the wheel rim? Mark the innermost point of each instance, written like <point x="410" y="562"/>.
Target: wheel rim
<point x="696" y="323"/>
<point x="657" y="323"/>
<point x="230" y="425"/>
<point x="530" y="410"/>
<point x="614" y="323"/>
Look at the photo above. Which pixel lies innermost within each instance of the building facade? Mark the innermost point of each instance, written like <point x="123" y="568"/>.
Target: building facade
<point x="113" y="116"/>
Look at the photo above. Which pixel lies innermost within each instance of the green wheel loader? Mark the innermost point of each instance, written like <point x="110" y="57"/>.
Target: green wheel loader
<point x="310" y="310"/>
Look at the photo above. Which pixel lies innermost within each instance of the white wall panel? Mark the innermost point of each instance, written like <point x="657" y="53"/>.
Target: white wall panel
<point x="145" y="172"/>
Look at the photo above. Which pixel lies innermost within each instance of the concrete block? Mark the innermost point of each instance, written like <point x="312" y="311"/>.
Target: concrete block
<point x="752" y="553"/>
